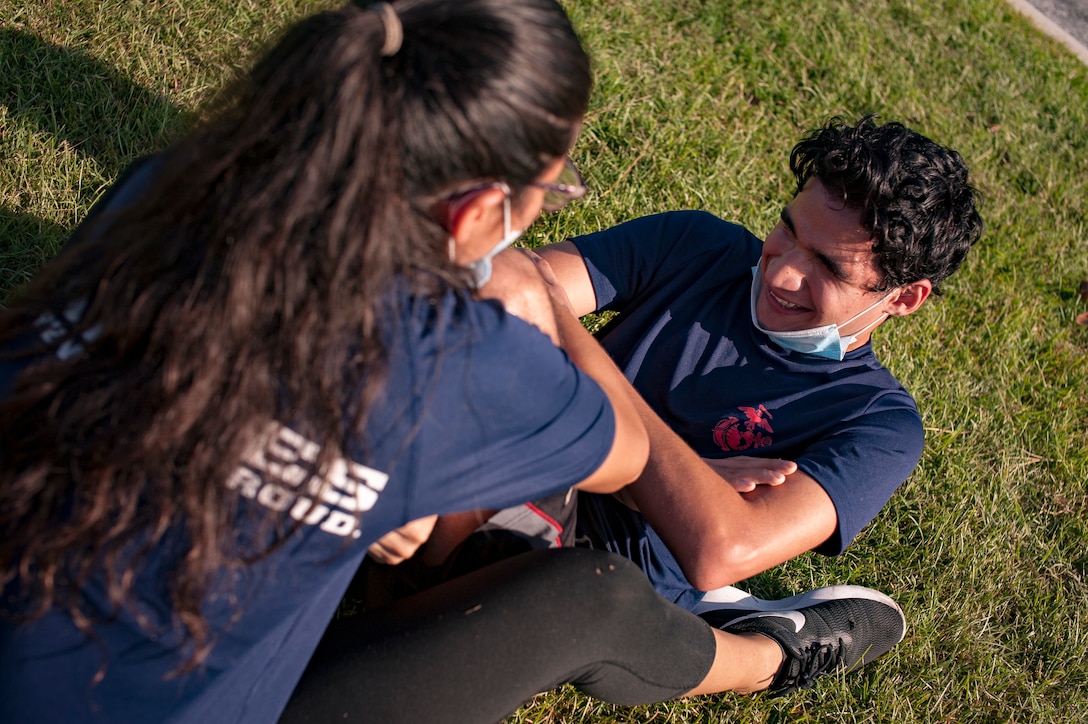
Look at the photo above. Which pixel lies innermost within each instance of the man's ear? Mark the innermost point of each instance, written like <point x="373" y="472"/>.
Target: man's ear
<point x="909" y="298"/>
<point x="475" y="217"/>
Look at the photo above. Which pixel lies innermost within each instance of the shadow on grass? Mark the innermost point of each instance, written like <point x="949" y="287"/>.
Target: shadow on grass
<point x="28" y="242"/>
<point x="96" y="111"/>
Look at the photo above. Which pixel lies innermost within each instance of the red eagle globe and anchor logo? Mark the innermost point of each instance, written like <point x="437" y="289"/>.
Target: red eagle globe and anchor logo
<point x="749" y="431"/>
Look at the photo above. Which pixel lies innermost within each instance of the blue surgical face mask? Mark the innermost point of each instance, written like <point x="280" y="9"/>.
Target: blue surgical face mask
<point x="825" y="342"/>
<point x="481" y="268"/>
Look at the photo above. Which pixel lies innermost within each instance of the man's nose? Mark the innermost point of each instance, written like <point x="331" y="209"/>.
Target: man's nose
<point x="785" y="271"/>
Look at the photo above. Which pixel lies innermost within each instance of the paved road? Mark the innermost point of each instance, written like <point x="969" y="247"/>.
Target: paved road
<point x="1065" y="20"/>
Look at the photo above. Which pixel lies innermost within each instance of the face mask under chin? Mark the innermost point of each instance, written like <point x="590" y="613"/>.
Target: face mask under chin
<point x="824" y="341"/>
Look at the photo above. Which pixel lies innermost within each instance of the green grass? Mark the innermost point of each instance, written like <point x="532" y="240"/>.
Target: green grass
<point x="696" y="105"/>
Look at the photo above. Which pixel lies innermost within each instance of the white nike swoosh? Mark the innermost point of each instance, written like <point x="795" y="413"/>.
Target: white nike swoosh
<point x="797" y="617"/>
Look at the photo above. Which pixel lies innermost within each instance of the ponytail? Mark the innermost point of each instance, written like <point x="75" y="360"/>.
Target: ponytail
<point x="251" y="282"/>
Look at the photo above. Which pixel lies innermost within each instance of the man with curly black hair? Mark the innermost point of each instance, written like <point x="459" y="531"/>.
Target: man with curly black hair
<point x="754" y="357"/>
<point x="774" y="429"/>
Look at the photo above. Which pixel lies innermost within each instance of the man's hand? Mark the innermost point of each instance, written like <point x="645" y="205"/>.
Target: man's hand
<point x="399" y="545"/>
<point x="746" y="473"/>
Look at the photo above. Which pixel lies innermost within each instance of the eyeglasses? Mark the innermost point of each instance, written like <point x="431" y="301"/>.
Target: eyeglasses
<point x="570" y="186"/>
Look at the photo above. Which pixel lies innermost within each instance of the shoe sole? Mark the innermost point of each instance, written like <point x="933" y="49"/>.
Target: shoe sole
<point x="751" y="605"/>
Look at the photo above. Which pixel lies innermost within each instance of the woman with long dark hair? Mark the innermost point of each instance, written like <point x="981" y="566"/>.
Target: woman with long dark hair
<point x="271" y="345"/>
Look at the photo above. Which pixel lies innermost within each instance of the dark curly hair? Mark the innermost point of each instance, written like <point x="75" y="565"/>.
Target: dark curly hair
<point x="913" y="195"/>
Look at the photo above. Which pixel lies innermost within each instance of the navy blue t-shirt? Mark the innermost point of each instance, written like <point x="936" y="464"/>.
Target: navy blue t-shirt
<point x="684" y="337"/>
<point x="480" y="410"/>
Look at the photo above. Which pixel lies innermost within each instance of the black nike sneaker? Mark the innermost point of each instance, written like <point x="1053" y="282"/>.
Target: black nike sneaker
<point x="821" y="632"/>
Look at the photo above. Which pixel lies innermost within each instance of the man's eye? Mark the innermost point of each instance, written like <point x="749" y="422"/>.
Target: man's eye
<point x="833" y="269"/>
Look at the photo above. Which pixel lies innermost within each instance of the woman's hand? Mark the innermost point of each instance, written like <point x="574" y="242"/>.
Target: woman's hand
<point x="399" y="545"/>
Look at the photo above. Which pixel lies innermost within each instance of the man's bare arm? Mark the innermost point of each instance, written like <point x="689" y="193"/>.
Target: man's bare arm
<point x="718" y="535"/>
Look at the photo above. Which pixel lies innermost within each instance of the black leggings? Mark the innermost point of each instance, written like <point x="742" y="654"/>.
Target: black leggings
<point x="477" y="647"/>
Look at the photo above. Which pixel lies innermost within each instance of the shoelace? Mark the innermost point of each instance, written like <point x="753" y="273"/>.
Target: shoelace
<point x="817" y="659"/>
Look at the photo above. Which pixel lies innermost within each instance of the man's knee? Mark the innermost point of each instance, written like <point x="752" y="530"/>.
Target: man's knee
<point x="516" y="283"/>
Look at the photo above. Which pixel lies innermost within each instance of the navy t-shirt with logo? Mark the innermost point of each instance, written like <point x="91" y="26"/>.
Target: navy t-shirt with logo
<point x="681" y="282"/>
<point x="480" y="410"/>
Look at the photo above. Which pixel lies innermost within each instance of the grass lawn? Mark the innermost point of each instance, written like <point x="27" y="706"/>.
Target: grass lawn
<point x="696" y="105"/>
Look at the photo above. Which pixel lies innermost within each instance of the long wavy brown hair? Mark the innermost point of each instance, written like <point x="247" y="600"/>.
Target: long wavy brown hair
<point x="248" y="282"/>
